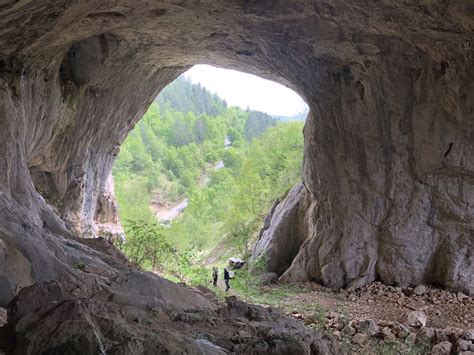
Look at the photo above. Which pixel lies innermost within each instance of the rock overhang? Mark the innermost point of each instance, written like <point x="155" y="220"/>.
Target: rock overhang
<point x="388" y="166"/>
<point x="387" y="87"/>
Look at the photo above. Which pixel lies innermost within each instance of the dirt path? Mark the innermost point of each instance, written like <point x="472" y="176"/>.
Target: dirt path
<point x="165" y="211"/>
<point x="168" y="213"/>
<point x="204" y="178"/>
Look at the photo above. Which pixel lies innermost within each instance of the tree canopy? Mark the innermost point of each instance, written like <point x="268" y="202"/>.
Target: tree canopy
<point x="173" y="153"/>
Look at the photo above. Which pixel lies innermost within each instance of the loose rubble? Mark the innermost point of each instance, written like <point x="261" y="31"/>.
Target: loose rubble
<point x="359" y="332"/>
<point x="417" y="320"/>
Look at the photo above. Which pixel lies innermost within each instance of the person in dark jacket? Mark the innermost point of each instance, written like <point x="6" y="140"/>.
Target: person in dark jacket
<point x="215" y="275"/>
<point x="226" y="279"/>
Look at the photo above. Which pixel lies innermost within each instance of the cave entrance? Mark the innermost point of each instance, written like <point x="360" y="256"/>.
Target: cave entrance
<point x="198" y="173"/>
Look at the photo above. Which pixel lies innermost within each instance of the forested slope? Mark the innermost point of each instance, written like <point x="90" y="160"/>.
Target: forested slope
<point x="184" y="96"/>
<point x="182" y="133"/>
<point x="181" y="137"/>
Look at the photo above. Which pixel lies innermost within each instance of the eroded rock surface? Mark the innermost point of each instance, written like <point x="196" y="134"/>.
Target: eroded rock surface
<point x="284" y="232"/>
<point x="389" y="143"/>
<point x="107" y="218"/>
<point x="100" y="325"/>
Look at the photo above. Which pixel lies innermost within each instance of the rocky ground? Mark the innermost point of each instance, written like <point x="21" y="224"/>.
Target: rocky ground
<point x="44" y="321"/>
<point x="386" y="319"/>
<point x="106" y="306"/>
<point x="377" y="319"/>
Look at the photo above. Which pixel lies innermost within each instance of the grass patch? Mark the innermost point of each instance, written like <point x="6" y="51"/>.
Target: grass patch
<point x="248" y="287"/>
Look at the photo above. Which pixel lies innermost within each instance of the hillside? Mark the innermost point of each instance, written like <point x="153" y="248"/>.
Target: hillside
<point x="183" y="96"/>
<point x="176" y="167"/>
<point x="180" y="137"/>
<point x="298" y="117"/>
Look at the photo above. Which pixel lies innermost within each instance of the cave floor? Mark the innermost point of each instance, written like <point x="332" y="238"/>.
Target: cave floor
<point x="326" y="309"/>
<point x="386" y="303"/>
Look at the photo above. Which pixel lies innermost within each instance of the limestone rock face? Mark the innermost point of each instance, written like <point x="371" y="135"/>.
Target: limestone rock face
<point x="394" y="194"/>
<point x="283" y="233"/>
<point x="15" y="271"/>
<point x="389" y="144"/>
<point x="107" y="218"/>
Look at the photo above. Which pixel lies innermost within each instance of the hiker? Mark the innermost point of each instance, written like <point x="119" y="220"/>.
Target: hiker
<point x="215" y="275"/>
<point x="226" y="279"/>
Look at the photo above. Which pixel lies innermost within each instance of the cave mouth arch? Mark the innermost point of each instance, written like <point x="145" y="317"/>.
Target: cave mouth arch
<point x="385" y="105"/>
<point x="84" y="75"/>
<point x="193" y="116"/>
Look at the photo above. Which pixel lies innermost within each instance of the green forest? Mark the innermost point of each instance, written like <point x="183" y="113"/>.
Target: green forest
<point x="227" y="165"/>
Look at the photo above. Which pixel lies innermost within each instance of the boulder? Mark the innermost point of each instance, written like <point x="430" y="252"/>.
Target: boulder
<point x="417" y="319"/>
<point x="349" y="330"/>
<point x="360" y="338"/>
<point x="429" y="333"/>
<point x="420" y="290"/>
<point x="401" y="331"/>
<point x="368" y="326"/>
<point x="442" y="335"/>
<point x="469" y="334"/>
<point x="463" y="345"/>
<point x="268" y="278"/>
<point x="388" y="336"/>
<point x="443" y="348"/>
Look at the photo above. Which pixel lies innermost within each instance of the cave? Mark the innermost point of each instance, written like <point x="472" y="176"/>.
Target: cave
<point x="388" y="175"/>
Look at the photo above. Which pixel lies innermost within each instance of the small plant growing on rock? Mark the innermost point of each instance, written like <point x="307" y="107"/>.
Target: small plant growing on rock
<point x="260" y="264"/>
<point x="315" y="316"/>
<point x="80" y="266"/>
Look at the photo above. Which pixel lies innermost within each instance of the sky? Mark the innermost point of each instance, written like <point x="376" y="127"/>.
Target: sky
<point x="246" y="90"/>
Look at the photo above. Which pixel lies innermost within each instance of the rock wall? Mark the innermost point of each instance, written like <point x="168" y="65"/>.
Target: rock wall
<point x="392" y="171"/>
<point x="388" y="168"/>
<point x="107" y="217"/>
<point x="388" y="164"/>
<point x="284" y="231"/>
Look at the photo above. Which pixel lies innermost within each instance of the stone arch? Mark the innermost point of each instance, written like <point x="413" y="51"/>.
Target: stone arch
<point x="387" y="105"/>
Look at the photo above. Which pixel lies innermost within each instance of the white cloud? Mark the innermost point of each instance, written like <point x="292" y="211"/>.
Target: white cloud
<point x="246" y="90"/>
